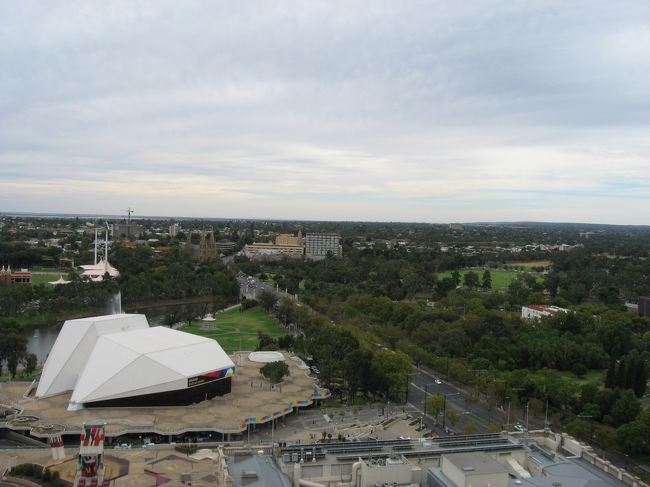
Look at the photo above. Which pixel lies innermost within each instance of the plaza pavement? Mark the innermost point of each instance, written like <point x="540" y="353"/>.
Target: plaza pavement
<point x="251" y="396"/>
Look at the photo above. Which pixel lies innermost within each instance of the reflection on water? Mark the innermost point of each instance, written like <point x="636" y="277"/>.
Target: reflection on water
<point x="41" y="338"/>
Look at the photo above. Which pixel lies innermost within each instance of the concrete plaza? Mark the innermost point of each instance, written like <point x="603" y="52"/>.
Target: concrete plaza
<point x="252" y="401"/>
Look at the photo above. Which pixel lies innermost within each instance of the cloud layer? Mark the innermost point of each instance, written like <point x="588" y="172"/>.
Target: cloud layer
<point x="412" y="111"/>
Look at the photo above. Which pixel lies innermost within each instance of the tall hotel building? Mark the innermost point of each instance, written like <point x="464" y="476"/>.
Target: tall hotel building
<point x="319" y="245"/>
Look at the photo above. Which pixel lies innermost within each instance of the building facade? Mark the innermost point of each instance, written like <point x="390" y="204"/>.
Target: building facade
<point x="128" y="230"/>
<point x="537" y="311"/>
<point x="9" y="277"/>
<point x="320" y="245"/>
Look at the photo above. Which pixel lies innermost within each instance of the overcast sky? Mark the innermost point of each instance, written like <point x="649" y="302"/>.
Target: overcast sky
<point x="431" y="111"/>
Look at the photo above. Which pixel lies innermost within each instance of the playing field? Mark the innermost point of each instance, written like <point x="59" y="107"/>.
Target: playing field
<point x="532" y="263"/>
<point x="500" y="279"/>
<point x="232" y="328"/>
<point x="45" y="278"/>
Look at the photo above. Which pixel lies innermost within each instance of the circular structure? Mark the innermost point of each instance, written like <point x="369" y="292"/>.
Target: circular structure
<point x="208" y="317"/>
<point x="265" y="357"/>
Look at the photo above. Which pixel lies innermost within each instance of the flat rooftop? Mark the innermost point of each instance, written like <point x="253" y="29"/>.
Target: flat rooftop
<point x="251" y="401"/>
<point x="351" y="451"/>
<point x="477" y="463"/>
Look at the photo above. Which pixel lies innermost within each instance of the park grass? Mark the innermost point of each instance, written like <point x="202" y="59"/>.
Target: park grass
<point x="43" y="279"/>
<point x="234" y="327"/>
<point x="501" y="279"/>
<point x="532" y="263"/>
<point x="593" y="376"/>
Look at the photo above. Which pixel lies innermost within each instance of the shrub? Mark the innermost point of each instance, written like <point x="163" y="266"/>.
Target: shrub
<point x="186" y="448"/>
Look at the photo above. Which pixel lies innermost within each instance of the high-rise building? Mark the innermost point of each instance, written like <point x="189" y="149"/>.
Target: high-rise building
<point x="174" y="229"/>
<point x="320" y="245"/>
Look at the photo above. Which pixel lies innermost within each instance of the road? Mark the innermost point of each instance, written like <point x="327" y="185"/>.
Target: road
<point x="423" y="379"/>
<point x="468" y="411"/>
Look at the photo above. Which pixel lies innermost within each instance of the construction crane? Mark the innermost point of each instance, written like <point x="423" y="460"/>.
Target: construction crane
<point x="128" y="211"/>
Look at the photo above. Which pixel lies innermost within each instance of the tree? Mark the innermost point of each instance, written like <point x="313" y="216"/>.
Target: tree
<point x="13" y="343"/>
<point x="434" y="405"/>
<point x="29" y="361"/>
<point x="285" y="311"/>
<point x="391" y="371"/>
<point x="444" y="286"/>
<point x="625" y="408"/>
<point x="471" y="280"/>
<point x="275" y="371"/>
<point x="487" y="280"/>
<point x="634" y="437"/>
<point x="453" y="416"/>
<point x="265" y="342"/>
<point x="285" y="342"/>
<point x="469" y="428"/>
<point x="267" y="300"/>
<point x="579" y="428"/>
<point x="455" y="276"/>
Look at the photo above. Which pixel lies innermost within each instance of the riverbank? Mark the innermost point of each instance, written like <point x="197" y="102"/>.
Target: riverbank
<point x="41" y="319"/>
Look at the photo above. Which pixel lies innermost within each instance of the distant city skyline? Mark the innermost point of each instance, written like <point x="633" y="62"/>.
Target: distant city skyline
<point x="420" y="111"/>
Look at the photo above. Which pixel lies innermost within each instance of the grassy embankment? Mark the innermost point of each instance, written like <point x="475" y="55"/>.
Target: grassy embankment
<point x="234" y="327"/>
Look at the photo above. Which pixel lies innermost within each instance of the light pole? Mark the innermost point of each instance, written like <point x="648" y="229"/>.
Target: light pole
<point x="408" y="386"/>
<point x="508" y="420"/>
<point x="424" y="408"/>
<point x="527" y="404"/>
<point x="444" y="407"/>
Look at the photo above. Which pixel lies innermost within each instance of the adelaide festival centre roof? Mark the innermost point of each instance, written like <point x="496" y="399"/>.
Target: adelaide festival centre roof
<point x="119" y="356"/>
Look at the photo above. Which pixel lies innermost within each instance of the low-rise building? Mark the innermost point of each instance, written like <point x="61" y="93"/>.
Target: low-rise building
<point x="285" y="245"/>
<point x="537" y="311"/>
<point x="8" y="277"/>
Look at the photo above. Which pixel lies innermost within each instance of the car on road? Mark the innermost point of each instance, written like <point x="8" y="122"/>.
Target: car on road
<point x="123" y="446"/>
<point x="438" y="381"/>
<point x="520" y="426"/>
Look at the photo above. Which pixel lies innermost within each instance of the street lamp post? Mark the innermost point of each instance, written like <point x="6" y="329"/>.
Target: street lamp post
<point x="527" y="404"/>
<point x="424" y="405"/>
<point x="508" y="420"/>
<point x="444" y="407"/>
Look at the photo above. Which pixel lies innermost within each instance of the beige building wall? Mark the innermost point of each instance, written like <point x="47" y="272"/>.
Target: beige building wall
<point x="288" y="239"/>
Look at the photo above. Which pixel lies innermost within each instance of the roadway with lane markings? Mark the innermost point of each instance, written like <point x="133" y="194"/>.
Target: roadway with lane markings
<point x="424" y="380"/>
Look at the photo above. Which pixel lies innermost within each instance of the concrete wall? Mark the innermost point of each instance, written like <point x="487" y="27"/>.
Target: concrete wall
<point x="387" y="473"/>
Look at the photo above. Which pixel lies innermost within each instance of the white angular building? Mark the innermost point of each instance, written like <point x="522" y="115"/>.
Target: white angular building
<point x="118" y="360"/>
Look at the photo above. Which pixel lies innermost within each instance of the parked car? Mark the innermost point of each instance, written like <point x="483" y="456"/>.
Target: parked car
<point x="520" y="426"/>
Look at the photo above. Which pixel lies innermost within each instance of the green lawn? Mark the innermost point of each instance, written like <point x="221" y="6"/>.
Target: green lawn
<point x="528" y="265"/>
<point x="44" y="278"/>
<point x="233" y="327"/>
<point x="500" y="279"/>
<point x="595" y="376"/>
